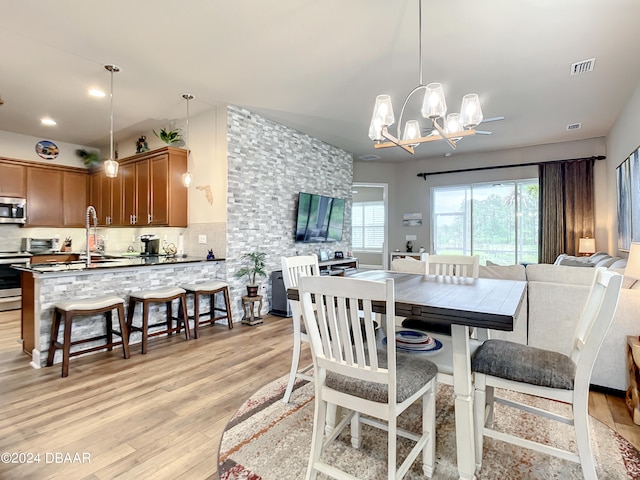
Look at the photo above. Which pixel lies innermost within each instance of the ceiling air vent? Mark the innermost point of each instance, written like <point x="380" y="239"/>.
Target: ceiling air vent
<point x="574" y="126"/>
<point x="584" y="66"/>
<point x="369" y="157"/>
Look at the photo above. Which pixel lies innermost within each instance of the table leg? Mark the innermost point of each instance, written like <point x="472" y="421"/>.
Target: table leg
<point x="463" y="389"/>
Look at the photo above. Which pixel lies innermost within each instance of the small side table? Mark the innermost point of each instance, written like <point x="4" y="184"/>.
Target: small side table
<point x="633" y="392"/>
<point x="248" y="304"/>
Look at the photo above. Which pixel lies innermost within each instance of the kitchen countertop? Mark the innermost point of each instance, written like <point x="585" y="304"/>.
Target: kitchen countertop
<point x="109" y="262"/>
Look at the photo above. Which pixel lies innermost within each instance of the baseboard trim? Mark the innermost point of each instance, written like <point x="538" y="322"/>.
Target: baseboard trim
<point x="607" y="391"/>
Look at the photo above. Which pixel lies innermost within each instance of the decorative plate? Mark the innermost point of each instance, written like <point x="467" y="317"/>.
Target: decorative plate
<point x="47" y="149"/>
<point x="411" y="341"/>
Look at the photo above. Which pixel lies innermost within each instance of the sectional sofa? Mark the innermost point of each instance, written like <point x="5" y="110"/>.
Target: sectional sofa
<point x="556" y="295"/>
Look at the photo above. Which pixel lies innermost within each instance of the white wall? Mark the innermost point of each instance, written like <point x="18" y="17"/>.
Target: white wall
<point x="623" y="139"/>
<point x="409" y="193"/>
<point x="23" y="147"/>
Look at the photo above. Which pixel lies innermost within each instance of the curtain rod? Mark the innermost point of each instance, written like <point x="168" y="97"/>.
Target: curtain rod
<point x="424" y="175"/>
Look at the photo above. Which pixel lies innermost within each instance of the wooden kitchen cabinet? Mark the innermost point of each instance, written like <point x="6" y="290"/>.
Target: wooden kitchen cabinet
<point x="152" y="188"/>
<point x="56" y="195"/>
<point x="147" y="191"/>
<point x="167" y="192"/>
<point x="111" y="201"/>
<point x="13" y="180"/>
<point x="135" y="185"/>
<point x="74" y="198"/>
<point x="44" y="197"/>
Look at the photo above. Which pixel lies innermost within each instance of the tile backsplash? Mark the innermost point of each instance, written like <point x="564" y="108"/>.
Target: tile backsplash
<point x="118" y="240"/>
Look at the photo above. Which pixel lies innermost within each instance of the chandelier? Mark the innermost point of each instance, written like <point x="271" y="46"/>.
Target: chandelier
<point x="110" y="165"/>
<point x="449" y="128"/>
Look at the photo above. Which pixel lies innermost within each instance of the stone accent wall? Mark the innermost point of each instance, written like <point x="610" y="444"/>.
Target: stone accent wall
<point x="121" y="282"/>
<point x="268" y="165"/>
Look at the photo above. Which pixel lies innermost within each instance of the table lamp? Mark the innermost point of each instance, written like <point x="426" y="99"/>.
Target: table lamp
<point x="587" y="246"/>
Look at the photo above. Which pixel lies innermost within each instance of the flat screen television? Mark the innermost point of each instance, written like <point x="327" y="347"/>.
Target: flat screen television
<point x="319" y="219"/>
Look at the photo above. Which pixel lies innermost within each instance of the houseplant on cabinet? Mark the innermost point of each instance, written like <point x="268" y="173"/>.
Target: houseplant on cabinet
<point x="170" y="137"/>
<point x="254" y="266"/>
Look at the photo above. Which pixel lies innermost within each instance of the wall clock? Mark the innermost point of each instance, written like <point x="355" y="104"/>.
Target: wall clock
<point x="47" y="149"/>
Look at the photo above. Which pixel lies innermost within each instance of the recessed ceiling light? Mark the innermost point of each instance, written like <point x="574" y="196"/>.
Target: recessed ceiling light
<point x="47" y="121"/>
<point x="94" y="92"/>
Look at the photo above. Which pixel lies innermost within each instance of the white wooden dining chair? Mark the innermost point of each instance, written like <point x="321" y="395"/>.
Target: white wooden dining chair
<point x="455" y="265"/>
<point x="448" y="266"/>
<point x="292" y="269"/>
<point x="547" y="374"/>
<point x="372" y="386"/>
<point x="408" y="265"/>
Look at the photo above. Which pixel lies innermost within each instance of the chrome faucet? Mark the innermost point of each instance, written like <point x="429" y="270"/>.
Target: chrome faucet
<point x="91" y="212"/>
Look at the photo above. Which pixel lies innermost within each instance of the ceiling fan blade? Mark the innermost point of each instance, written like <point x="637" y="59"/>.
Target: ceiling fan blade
<point x="492" y="119"/>
<point x="483" y="132"/>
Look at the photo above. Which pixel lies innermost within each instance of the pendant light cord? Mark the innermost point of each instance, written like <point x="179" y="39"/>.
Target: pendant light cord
<point x="111" y="130"/>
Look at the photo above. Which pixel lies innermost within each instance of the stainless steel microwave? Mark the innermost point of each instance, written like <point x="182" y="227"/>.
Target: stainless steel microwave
<point x="13" y="210"/>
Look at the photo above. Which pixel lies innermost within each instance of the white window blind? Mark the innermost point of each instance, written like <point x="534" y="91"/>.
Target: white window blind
<point x="367" y="226"/>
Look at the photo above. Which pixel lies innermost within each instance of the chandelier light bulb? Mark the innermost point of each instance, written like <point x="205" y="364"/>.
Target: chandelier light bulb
<point x="470" y="111"/>
<point x="382" y="116"/>
<point x="411" y="130"/>
<point x="434" y="105"/>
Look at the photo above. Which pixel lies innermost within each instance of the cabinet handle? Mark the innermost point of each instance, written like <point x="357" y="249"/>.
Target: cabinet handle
<point x="149" y="218"/>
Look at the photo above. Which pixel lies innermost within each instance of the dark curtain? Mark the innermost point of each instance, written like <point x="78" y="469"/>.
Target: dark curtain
<point x="566" y="207"/>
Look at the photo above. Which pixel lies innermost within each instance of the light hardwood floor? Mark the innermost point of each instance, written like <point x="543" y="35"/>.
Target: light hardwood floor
<point x="159" y="415"/>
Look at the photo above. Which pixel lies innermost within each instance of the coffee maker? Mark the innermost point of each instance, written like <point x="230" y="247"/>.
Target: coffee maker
<point x="151" y="244"/>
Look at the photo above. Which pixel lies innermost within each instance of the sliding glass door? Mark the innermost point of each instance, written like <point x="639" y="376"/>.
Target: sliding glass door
<point x="498" y="222"/>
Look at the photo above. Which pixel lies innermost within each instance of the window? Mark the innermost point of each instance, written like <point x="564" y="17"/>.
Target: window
<point x="498" y="222"/>
<point x="367" y="226"/>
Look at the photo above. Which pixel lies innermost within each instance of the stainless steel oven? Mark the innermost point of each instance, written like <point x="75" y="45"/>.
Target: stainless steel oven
<point x="10" y="291"/>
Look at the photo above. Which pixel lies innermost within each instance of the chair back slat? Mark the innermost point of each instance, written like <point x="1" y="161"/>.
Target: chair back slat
<point x="454" y="265"/>
<point x="342" y="339"/>
<point x="295" y="267"/>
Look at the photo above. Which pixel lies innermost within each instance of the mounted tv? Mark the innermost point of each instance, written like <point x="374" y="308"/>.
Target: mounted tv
<point x="320" y="218"/>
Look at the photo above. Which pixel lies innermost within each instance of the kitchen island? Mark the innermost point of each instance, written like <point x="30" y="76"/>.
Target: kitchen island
<point x="45" y="284"/>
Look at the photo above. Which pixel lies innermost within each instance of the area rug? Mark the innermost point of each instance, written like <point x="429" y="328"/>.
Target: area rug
<point x="268" y="440"/>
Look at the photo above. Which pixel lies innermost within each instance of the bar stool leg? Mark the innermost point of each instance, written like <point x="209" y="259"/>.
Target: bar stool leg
<point x="109" y="327"/>
<point x="130" y="312"/>
<point x="170" y="319"/>
<point x="124" y="331"/>
<point x="196" y="315"/>
<point x="185" y="315"/>
<point x="66" y="346"/>
<point x="228" y="307"/>
<point x="54" y="336"/>
<point x="145" y="325"/>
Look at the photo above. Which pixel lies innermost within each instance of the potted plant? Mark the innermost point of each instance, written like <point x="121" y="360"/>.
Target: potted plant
<point x="169" y="136"/>
<point x="254" y="266"/>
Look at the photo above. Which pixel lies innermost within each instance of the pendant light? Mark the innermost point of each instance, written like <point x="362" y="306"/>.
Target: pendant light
<point x="110" y="165"/>
<point x="186" y="177"/>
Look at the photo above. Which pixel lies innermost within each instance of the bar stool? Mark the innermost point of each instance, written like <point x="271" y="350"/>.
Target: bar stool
<point x="211" y="289"/>
<point x="91" y="306"/>
<point x="161" y="295"/>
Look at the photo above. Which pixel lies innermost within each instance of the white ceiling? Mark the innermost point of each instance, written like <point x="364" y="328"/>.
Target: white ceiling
<point x="317" y="66"/>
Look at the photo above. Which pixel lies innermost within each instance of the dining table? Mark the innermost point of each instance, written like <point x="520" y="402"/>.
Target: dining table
<point x="461" y="303"/>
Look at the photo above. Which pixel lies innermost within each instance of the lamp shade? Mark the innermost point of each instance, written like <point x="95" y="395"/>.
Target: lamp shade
<point x="382" y="116"/>
<point x="434" y="105"/>
<point x="411" y="130"/>
<point x="470" y="111"/>
<point x="587" y="245"/>
<point x="633" y="262"/>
